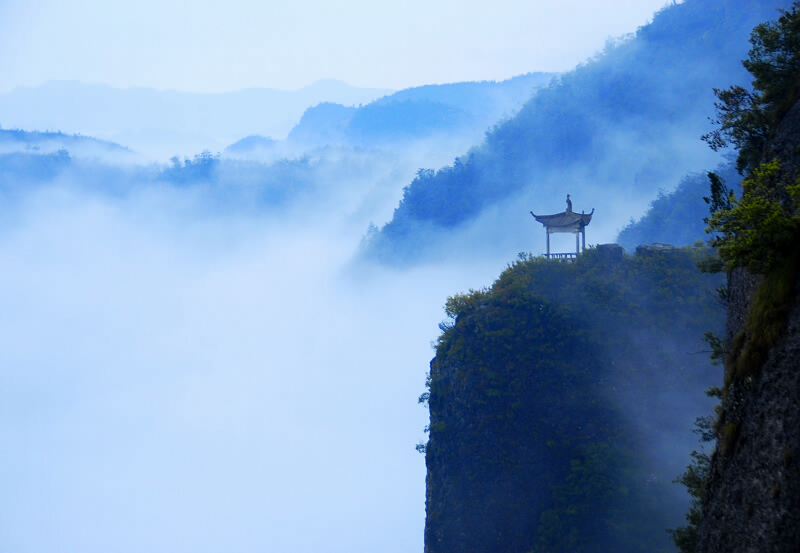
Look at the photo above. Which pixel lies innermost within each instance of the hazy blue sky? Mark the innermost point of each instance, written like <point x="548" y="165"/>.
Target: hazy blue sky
<point x="209" y="46"/>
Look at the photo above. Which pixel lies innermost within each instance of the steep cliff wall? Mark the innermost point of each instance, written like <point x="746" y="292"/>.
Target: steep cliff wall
<point x="561" y="399"/>
<point x="752" y="499"/>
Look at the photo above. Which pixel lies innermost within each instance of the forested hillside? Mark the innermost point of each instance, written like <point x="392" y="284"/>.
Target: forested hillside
<point x="677" y="218"/>
<point x="613" y="131"/>
<point x="561" y="402"/>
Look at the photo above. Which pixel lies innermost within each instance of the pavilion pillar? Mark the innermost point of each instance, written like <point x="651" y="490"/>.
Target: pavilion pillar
<point x="577" y="243"/>
<point x="548" y="243"/>
<point x="583" y="239"/>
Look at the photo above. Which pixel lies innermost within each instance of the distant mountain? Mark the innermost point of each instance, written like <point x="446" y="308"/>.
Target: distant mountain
<point x="475" y="97"/>
<point x="249" y="143"/>
<point x="325" y="123"/>
<point x="417" y="113"/>
<point x="612" y="132"/>
<point x="677" y="217"/>
<point x="164" y="123"/>
<point x="34" y="160"/>
<point x="15" y="140"/>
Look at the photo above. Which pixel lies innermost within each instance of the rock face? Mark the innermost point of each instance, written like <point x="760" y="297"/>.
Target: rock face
<point x="611" y="251"/>
<point x="752" y="498"/>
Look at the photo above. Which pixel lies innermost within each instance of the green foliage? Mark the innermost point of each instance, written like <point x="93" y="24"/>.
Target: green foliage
<point x="720" y="197"/>
<point x="766" y="320"/>
<point x="461" y="303"/>
<point x="595" y="480"/>
<point x="717" y="347"/>
<point x="774" y="62"/>
<point x="694" y="478"/>
<point x="742" y="122"/>
<point x="746" y="119"/>
<point x="757" y="231"/>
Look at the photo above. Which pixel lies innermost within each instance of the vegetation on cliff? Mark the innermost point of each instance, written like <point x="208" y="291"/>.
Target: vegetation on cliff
<point x="544" y="393"/>
<point x="755" y="234"/>
<point x="746" y="119"/>
<point x="759" y="231"/>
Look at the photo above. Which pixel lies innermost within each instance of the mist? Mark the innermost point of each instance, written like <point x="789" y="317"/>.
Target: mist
<point x="183" y="377"/>
<point x="196" y="355"/>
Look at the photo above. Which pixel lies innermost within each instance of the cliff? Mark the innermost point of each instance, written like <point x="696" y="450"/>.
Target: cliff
<point x="546" y="394"/>
<point x="752" y="497"/>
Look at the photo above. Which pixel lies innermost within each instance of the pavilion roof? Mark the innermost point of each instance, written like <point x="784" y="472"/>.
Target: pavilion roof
<point x="567" y="219"/>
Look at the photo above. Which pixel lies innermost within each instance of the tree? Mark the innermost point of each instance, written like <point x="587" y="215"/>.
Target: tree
<point x="755" y="231"/>
<point x="747" y="119"/>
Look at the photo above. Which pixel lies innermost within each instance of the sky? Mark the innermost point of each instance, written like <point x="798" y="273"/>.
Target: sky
<point x="213" y="46"/>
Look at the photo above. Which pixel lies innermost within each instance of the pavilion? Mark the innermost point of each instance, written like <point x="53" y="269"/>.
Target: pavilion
<point x="568" y="221"/>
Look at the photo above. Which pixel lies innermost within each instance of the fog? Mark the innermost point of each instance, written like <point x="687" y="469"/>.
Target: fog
<point x="182" y="372"/>
<point x="197" y="357"/>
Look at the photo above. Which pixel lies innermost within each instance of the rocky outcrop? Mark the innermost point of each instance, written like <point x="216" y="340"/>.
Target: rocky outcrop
<point x="546" y="392"/>
<point x="752" y="497"/>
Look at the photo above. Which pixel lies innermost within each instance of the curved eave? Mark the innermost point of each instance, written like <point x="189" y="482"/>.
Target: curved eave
<point x="565" y="220"/>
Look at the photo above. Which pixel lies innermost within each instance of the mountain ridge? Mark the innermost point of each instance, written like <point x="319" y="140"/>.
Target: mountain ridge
<point x="625" y="123"/>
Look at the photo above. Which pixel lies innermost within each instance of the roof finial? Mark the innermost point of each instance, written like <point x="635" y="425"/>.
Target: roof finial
<point x="569" y="204"/>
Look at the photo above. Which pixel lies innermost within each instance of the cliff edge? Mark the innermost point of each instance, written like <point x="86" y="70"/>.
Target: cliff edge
<point x="752" y="497"/>
<point x="561" y="400"/>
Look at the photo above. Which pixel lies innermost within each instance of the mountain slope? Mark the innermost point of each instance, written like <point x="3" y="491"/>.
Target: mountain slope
<point x="416" y="113"/>
<point x="618" y="127"/>
<point x="677" y="218"/>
